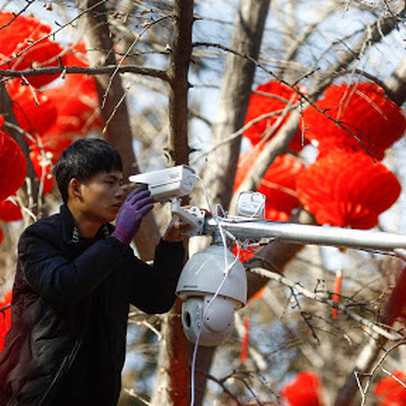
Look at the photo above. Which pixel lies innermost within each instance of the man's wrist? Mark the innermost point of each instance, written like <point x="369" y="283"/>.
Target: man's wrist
<point x="121" y="236"/>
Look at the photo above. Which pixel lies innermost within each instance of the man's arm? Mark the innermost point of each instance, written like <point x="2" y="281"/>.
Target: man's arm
<point x="154" y="289"/>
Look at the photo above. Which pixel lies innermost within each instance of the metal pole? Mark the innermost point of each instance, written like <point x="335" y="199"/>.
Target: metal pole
<point x="307" y="234"/>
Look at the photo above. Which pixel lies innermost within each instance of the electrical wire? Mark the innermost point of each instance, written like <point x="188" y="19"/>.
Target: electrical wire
<point x="228" y="268"/>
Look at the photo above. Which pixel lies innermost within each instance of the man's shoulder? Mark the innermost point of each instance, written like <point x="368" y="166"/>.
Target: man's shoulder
<point x="51" y="226"/>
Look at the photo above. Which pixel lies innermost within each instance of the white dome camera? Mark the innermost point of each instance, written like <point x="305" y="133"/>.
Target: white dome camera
<point x="211" y="295"/>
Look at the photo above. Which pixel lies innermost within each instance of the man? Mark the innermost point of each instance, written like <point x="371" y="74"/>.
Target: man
<point x="75" y="279"/>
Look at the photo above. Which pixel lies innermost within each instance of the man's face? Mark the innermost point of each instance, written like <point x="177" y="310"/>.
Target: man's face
<point x="102" y="196"/>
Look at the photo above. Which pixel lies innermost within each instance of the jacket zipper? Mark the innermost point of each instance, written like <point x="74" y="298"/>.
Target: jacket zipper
<point x="68" y="360"/>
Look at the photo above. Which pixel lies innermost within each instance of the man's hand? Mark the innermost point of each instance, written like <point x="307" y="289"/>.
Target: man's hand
<point x="135" y="207"/>
<point x="176" y="229"/>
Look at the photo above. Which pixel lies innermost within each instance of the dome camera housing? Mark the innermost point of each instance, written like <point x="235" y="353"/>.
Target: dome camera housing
<point x="211" y="295"/>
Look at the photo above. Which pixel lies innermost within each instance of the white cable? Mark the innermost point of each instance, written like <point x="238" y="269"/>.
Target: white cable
<point x="192" y="370"/>
<point x="205" y="194"/>
<point x="226" y="273"/>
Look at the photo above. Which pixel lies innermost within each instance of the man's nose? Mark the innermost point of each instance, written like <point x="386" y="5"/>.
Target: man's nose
<point x="120" y="191"/>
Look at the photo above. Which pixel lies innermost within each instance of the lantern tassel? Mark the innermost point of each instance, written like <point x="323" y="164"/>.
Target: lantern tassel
<point x="245" y="340"/>
<point x="336" y="295"/>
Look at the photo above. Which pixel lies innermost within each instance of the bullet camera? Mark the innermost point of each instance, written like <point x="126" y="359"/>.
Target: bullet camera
<point x="213" y="286"/>
<point x="165" y="184"/>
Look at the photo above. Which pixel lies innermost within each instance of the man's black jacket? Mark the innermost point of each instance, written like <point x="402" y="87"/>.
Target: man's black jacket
<point x="70" y="306"/>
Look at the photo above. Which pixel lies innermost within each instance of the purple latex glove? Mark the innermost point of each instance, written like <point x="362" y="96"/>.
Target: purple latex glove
<point x="137" y="204"/>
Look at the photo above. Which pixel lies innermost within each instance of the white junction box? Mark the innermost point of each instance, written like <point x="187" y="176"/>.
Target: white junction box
<point x="165" y="184"/>
<point x="251" y="205"/>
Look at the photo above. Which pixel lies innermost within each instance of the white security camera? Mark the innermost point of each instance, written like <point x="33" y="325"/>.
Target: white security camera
<point x="165" y="184"/>
<point x="213" y="285"/>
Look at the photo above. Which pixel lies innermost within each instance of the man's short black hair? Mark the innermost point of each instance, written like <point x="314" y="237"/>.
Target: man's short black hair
<point x="83" y="159"/>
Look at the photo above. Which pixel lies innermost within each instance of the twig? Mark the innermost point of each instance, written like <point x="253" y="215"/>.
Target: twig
<point x="373" y="371"/>
<point x="132" y="393"/>
<point x="322" y="298"/>
<point x="156" y="73"/>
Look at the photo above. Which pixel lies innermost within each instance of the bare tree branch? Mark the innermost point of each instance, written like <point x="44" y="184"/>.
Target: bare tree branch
<point x="99" y="70"/>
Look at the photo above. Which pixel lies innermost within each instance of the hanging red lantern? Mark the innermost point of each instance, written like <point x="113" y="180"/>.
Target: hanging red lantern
<point x="77" y="106"/>
<point x="363" y="111"/>
<point x="9" y="211"/>
<point x="24" y="43"/>
<point x="13" y="166"/>
<point x="390" y="390"/>
<point x="35" y="113"/>
<point x="347" y="189"/>
<point x="5" y="318"/>
<point x="271" y="97"/>
<point x="53" y="144"/>
<point x="278" y="183"/>
<point x="279" y="187"/>
<point x="43" y="169"/>
<point x="303" y="391"/>
<point x="76" y="56"/>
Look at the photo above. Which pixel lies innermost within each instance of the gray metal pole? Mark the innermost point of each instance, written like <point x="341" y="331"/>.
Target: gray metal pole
<point x="307" y="234"/>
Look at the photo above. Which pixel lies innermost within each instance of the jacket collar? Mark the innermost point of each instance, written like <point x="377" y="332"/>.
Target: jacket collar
<point x="71" y="232"/>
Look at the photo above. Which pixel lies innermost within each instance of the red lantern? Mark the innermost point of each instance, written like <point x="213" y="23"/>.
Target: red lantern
<point x="35" y="113"/>
<point x="280" y="95"/>
<point x="43" y="169"/>
<point x="303" y="391"/>
<point x="363" y="110"/>
<point x="279" y="187"/>
<point x="76" y="56"/>
<point x="53" y="144"/>
<point x="77" y="106"/>
<point x="347" y="189"/>
<point x="19" y="36"/>
<point x="13" y="166"/>
<point x="278" y="183"/>
<point x="9" y="211"/>
<point x="390" y="391"/>
<point x="5" y="318"/>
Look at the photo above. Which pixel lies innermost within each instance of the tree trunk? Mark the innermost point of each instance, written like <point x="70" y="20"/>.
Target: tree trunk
<point x="395" y="84"/>
<point x="173" y="368"/>
<point x="234" y="97"/>
<point x="178" y="149"/>
<point x="98" y="40"/>
<point x="235" y="92"/>
<point x="173" y="372"/>
<point x="233" y="102"/>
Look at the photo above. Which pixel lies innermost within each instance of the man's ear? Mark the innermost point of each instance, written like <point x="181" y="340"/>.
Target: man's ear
<point x="74" y="189"/>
